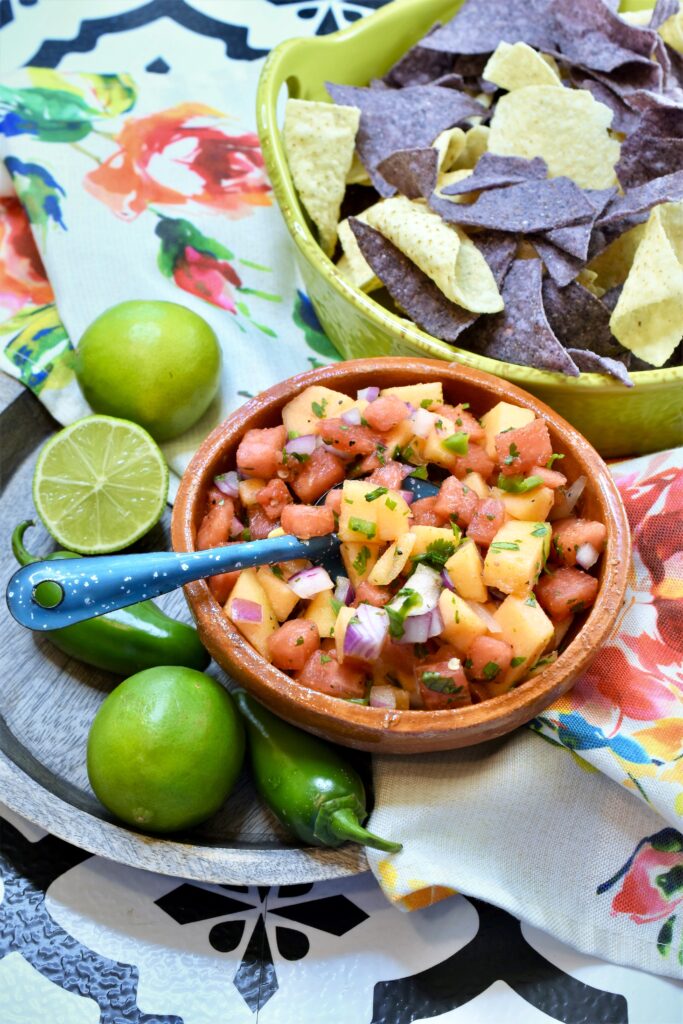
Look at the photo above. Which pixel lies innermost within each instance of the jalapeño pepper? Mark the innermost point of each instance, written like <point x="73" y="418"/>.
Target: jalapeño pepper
<point x="309" y="787"/>
<point x="125" y="641"/>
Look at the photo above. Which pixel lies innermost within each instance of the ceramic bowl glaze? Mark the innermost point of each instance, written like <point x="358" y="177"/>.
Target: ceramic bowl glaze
<point x="615" y="419"/>
<point x="375" y="729"/>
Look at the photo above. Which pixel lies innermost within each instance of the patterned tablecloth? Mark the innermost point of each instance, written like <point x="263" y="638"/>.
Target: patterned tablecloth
<point x="85" y="940"/>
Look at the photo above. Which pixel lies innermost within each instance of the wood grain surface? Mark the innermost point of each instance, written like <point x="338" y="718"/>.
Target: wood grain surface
<point x="47" y="702"/>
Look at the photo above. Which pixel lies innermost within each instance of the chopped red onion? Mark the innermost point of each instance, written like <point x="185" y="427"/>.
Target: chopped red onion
<point x="245" y="611"/>
<point x="416" y="629"/>
<point x="227" y="483"/>
<point x="368" y="394"/>
<point x="383" y="696"/>
<point x="236" y="527"/>
<point x="427" y="583"/>
<point x="345" y="456"/>
<point x="351" y="417"/>
<point x="366" y="633"/>
<point x="485" y="615"/>
<point x="310" y="582"/>
<point x="411" y="408"/>
<point x="423" y="422"/>
<point x="344" y="591"/>
<point x="435" y="623"/>
<point x="304" y="445"/>
<point x="568" y="498"/>
<point x="447" y="581"/>
<point x="407" y="496"/>
<point x="587" y="556"/>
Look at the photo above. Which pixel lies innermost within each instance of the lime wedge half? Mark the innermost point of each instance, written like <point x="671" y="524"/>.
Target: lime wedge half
<point x="100" y="484"/>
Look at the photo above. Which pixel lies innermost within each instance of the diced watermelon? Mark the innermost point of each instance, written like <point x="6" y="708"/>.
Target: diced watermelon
<point x="214" y="528"/>
<point x="333" y="500"/>
<point x="486" y="521"/>
<point x="423" y="513"/>
<point x="521" y="449"/>
<point x="260" y="452"/>
<point x="368" y="593"/>
<point x="476" y="461"/>
<point x="456" y="501"/>
<point x="350" y="440"/>
<point x="566" y="591"/>
<point x="318" y="474"/>
<point x="391" y="475"/>
<point x="221" y="585"/>
<point x="322" y="672"/>
<point x="273" y="498"/>
<point x="550" y="477"/>
<point x="293" y="644"/>
<point x="443" y="686"/>
<point x="465" y="422"/>
<point x="259" y="523"/>
<point x="306" y="521"/>
<point x="569" y="534"/>
<point x="488" y="658"/>
<point x="385" y="413"/>
<point x="214" y="497"/>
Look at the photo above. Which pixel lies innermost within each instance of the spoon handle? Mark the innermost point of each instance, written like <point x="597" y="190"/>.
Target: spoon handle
<point x="92" y="586"/>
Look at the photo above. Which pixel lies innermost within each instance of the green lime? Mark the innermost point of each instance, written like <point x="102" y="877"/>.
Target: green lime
<point x="165" y="749"/>
<point x="100" y="484"/>
<point x="156" y="363"/>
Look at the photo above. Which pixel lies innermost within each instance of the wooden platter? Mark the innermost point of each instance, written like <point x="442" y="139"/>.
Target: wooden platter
<point x="47" y="702"/>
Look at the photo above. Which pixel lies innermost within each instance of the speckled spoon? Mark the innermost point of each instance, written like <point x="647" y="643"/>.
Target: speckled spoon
<point x="61" y="592"/>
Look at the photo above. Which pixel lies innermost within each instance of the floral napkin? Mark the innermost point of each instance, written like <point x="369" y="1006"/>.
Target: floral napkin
<point x="577" y="835"/>
<point x="116" y="188"/>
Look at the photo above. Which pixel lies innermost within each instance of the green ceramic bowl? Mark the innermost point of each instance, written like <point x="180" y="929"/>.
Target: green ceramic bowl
<point x="616" y="420"/>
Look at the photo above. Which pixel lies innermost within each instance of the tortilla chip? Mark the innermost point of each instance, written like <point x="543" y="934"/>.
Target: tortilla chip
<point x="352" y="265"/>
<point x="357" y="174"/>
<point x="579" y="319"/>
<point x="671" y="30"/>
<point x="412" y="171"/>
<point x="449" y="145"/>
<point x="654" y="149"/>
<point x="419" y="66"/>
<point x="638" y="200"/>
<point x="444" y="253"/>
<point x="476" y="144"/>
<point x="566" y="127"/>
<point x="612" y="265"/>
<point x="410" y="289"/>
<point x="521" y="333"/>
<point x="494" y="171"/>
<point x="624" y="117"/>
<point x="453" y="178"/>
<point x="480" y="25"/>
<point x="589" y="33"/>
<point x="591" y="362"/>
<point x="562" y="267"/>
<point x="393" y="119"/>
<point x="319" y="141"/>
<point x="528" y="207"/>
<point x="513" y="66"/>
<point x="648" y="318"/>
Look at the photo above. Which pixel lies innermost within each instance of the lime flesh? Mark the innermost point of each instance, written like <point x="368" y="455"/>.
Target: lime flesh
<point x="100" y="484"/>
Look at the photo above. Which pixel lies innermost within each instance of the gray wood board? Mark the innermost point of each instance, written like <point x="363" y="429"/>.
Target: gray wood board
<point x="47" y="702"/>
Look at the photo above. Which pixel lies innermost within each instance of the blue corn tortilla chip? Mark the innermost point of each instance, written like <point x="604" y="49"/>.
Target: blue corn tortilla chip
<point x="654" y="149"/>
<point x="419" y="66"/>
<point x="562" y="267"/>
<point x="590" y="34"/>
<point x="576" y="238"/>
<point x="638" y="201"/>
<point x="480" y="25"/>
<point x="521" y="333"/>
<point x="663" y="10"/>
<point x="580" y="319"/>
<point x="625" y="119"/>
<point x="528" y="207"/>
<point x="591" y="362"/>
<point x="412" y="171"/>
<point x="493" y="171"/>
<point x="393" y="119"/>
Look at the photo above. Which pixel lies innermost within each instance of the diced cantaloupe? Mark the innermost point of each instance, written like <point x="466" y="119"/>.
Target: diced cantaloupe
<point x="358" y="560"/>
<point x="433" y="449"/>
<point x="393" y="516"/>
<point x="321" y="610"/>
<point x="426" y="535"/>
<point x="460" y="624"/>
<point x="303" y="413"/>
<point x="277" y="532"/>
<point x="528" y="630"/>
<point x="533" y="506"/>
<point x="516" y="556"/>
<point x="503" y="416"/>
<point x="282" y="598"/>
<point x="466" y="568"/>
<point x="340" y="626"/>
<point x="401" y="436"/>
<point x="476" y="483"/>
<point x="248" y="588"/>
<point x="294" y="565"/>
<point x="383" y="518"/>
<point x="248" y="489"/>
<point x="392" y="563"/>
<point x="416" y="394"/>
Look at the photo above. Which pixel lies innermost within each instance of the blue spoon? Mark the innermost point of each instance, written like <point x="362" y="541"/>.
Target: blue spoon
<point x="83" y="588"/>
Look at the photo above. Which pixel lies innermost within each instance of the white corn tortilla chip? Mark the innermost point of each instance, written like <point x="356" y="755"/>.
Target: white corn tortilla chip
<point x="567" y="127"/>
<point x="648" y="318"/>
<point x="512" y="66"/>
<point x="445" y="254"/>
<point x="613" y="264"/>
<point x="671" y="31"/>
<point x="319" y="142"/>
<point x="449" y="145"/>
<point x="357" y="175"/>
<point x="476" y="143"/>
<point x="449" y="178"/>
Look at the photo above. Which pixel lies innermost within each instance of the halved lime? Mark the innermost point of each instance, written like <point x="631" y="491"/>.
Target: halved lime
<point x="100" y="484"/>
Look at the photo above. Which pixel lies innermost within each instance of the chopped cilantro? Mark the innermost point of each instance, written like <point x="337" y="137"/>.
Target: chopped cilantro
<point x="458" y="422"/>
<point x="325" y="659"/>
<point x="397" y="615"/>
<point x="245" y="535"/>
<point x="440" y="684"/>
<point x="557" y="545"/>
<point x="298" y="642"/>
<point x="356" y="700"/>
<point x="464" y="405"/>
<point x="380" y="452"/>
<point x="408" y="453"/>
<point x="514" y="454"/>
<point x="360" y="562"/>
<point x="291" y="434"/>
<point x="348" y="501"/>
<point x="319" y="408"/>
<point x="491" y="670"/>
<point x="377" y="493"/>
<point x="531" y="601"/>
<point x="518" y="484"/>
<point x="336" y="605"/>
<point x="426" y="402"/>
<point x="541" y="530"/>
<point x="363" y="526"/>
<point x="420" y="473"/>
<point x="390" y="504"/>
<point x="542" y="662"/>
<point x="457" y="532"/>
<point x="467" y="663"/>
<point x="277" y="571"/>
<point x="505" y="545"/>
<point x="301" y="457"/>
<point x="553" y="458"/>
<point x="437" y="553"/>
<point x="456" y="443"/>
<point x="516" y="662"/>
<point x="439" y="424"/>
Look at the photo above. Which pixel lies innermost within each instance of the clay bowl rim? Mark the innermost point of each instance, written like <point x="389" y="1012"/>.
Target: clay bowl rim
<point x="330" y="716"/>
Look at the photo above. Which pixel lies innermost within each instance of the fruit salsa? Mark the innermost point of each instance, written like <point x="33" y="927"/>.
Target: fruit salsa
<point x="447" y="600"/>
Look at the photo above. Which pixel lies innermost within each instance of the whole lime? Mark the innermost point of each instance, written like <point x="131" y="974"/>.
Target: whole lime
<point x="156" y="363"/>
<point x="165" y="749"/>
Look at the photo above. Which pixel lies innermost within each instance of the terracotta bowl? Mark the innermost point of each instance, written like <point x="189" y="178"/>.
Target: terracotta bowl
<point x="375" y="729"/>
